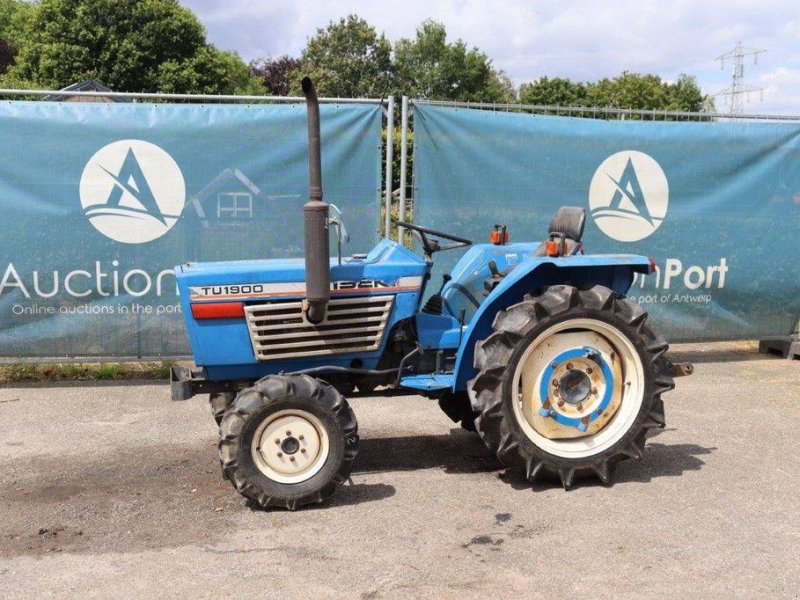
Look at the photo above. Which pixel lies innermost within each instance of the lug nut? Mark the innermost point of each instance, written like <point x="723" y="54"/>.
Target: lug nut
<point x="560" y="402"/>
<point x="569" y="366"/>
<point x="580" y="406"/>
<point x="589" y="370"/>
<point x="280" y="454"/>
<point x="300" y="437"/>
<point x="277" y="441"/>
<point x="288" y="433"/>
<point x="291" y="458"/>
<point x="594" y="391"/>
<point x="302" y="450"/>
<point x="555" y="382"/>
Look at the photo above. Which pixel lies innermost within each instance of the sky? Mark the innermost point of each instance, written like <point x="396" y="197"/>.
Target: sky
<point x="581" y="40"/>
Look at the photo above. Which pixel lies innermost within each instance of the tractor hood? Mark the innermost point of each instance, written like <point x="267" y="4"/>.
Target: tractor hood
<point x="218" y="300"/>
<point x="385" y="267"/>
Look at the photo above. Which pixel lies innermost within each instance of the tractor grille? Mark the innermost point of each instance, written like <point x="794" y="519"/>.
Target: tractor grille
<point x="280" y="329"/>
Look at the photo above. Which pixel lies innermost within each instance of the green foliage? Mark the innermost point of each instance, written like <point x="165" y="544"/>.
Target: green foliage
<point x="209" y="71"/>
<point x="347" y="59"/>
<point x="107" y="371"/>
<point x="75" y="371"/>
<point x="78" y="371"/>
<point x="555" y="91"/>
<point x="629" y="90"/>
<point x="130" y="45"/>
<point x="15" y="16"/>
<point x="428" y="67"/>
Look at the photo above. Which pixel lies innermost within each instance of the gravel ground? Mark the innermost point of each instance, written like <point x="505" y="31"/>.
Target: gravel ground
<point x="114" y="490"/>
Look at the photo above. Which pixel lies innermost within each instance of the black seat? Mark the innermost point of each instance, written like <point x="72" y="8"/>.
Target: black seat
<point x="566" y="228"/>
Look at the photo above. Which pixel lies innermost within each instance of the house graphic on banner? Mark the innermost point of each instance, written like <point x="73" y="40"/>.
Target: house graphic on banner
<point x="230" y="195"/>
<point x="233" y="197"/>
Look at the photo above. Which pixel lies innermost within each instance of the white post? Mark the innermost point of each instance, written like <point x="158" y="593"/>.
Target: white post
<point x="403" y="164"/>
<point x="387" y="219"/>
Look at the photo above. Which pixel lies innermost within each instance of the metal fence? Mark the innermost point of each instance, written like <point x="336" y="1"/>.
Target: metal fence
<point x="74" y="171"/>
<point x="400" y="198"/>
<point x="721" y="189"/>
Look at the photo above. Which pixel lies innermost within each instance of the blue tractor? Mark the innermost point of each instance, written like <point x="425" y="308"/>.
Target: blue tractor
<point x="534" y="346"/>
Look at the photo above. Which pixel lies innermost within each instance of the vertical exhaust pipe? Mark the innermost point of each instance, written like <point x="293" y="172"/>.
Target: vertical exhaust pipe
<point x="315" y="218"/>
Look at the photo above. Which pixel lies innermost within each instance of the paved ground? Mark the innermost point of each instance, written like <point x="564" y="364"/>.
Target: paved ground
<point x="112" y="490"/>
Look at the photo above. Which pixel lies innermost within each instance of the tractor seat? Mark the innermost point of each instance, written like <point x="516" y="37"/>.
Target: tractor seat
<point x="567" y="227"/>
<point x="566" y="230"/>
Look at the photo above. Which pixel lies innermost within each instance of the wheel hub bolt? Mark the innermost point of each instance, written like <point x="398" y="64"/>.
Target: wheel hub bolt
<point x="569" y="366"/>
<point x="302" y="450"/>
<point x="291" y="458"/>
<point x="594" y="391"/>
<point x="589" y="370"/>
<point x="560" y="402"/>
<point x="288" y="433"/>
<point x="300" y="437"/>
<point x="277" y="441"/>
<point x="555" y="382"/>
<point x="280" y="454"/>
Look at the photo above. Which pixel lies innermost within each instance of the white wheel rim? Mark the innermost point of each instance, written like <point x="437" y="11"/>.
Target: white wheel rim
<point x="543" y="349"/>
<point x="290" y="446"/>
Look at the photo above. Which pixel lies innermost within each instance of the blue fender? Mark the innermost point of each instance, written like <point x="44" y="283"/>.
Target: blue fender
<point x="613" y="271"/>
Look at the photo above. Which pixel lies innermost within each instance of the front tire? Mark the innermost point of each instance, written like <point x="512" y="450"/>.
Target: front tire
<point x="288" y="441"/>
<point x="569" y="383"/>
<point x="220" y="402"/>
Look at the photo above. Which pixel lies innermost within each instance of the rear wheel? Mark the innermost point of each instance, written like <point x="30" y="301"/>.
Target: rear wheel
<point x="569" y="383"/>
<point x="287" y="441"/>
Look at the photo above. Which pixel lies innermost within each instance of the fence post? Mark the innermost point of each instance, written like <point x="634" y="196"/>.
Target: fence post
<point x="403" y="164"/>
<point x="387" y="219"/>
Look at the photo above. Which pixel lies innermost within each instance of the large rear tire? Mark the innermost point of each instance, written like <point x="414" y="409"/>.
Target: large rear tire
<point x="569" y="383"/>
<point x="288" y="441"/>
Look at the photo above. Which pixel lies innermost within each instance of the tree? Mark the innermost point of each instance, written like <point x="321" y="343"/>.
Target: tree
<point x="130" y="45"/>
<point x="429" y="67"/>
<point x="14" y="17"/>
<point x="628" y="90"/>
<point x="211" y="70"/>
<point x="274" y="73"/>
<point x="8" y="53"/>
<point x="555" y="91"/>
<point x="347" y="59"/>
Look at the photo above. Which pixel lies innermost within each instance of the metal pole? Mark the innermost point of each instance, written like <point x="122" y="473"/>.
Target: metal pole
<point x="403" y="163"/>
<point x="169" y="96"/>
<point x="387" y="219"/>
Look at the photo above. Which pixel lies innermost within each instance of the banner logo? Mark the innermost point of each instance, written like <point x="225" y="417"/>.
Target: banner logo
<point x="629" y="196"/>
<point x="132" y="191"/>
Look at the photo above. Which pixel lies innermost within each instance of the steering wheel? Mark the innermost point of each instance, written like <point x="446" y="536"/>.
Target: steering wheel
<point x="429" y="245"/>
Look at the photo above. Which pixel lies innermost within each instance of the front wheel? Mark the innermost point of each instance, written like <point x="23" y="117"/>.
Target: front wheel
<point x="287" y="441"/>
<point x="569" y="383"/>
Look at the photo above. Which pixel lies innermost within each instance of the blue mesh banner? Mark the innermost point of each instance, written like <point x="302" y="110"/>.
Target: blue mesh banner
<point x="716" y="204"/>
<point x="99" y="202"/>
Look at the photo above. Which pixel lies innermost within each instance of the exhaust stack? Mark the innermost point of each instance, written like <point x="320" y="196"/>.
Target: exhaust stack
<point x="315" y="218"/>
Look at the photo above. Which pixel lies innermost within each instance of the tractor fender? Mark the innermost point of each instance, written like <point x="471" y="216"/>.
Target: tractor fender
<point x="615" y="272"/>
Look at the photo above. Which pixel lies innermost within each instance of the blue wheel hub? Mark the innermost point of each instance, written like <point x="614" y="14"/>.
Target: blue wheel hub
<point x="576" y="387"/>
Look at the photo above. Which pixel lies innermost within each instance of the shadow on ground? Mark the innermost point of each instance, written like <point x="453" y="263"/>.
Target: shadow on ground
<point x="136" y="499"/>
<point x="456" y="452"/>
